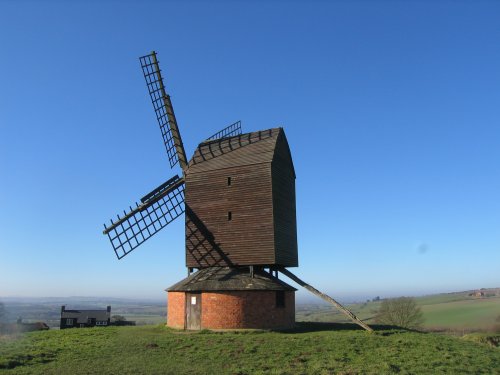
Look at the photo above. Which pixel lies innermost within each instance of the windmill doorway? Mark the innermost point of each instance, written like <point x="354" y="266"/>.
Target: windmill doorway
<point x="193" y="311"/>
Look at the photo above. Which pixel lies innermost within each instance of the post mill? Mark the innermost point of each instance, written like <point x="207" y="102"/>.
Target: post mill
<point x="238" y="195"/>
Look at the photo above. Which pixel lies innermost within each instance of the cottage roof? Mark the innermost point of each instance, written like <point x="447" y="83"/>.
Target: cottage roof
<point x="244" y="149"/>
<point x="82" y="316"/>
<point x="229" y="279"/>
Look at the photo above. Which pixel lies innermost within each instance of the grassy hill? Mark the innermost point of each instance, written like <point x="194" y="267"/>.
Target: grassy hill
<point x="448" y="311"/>
<point x="311" y="349"/>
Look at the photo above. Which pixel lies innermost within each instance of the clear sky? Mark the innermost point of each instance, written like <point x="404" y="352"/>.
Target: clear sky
<point x="391" y="109"/>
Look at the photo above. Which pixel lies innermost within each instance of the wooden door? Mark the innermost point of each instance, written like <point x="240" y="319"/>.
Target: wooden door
<point x="193" y="310"/>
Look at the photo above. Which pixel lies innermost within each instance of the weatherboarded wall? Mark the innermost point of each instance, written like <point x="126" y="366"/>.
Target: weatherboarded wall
<point x="285" y="222"/>
<point x="230" y="224"/>
<point x="240" y="202"/>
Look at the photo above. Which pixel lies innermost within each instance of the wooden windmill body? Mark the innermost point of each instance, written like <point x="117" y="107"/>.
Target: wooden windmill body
<point x="238" y="196"/>
<point x="240" y="202"/>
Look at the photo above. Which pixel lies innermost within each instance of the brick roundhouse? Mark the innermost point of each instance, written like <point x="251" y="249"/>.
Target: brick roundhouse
<point x="229" y="298"/>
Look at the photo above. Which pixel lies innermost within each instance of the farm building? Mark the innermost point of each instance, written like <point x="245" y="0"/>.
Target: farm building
<point x="85" y="318"/>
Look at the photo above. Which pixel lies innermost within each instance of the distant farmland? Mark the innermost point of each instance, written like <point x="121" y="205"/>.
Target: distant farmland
<point x="450" y="311"/>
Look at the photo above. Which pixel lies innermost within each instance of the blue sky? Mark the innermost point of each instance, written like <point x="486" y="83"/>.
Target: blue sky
<point x="391" y="110"/>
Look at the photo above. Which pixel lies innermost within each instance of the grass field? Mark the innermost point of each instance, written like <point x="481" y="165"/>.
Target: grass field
<point x="451" y="311"/>
<point x="465" y="314"/>
<point x="311" y="349"/>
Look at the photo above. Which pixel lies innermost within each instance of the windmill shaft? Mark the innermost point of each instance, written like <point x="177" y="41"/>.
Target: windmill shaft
<point x="160" y="189"/>
<point x="325" y="297"/>
<point x="172" y="122"/>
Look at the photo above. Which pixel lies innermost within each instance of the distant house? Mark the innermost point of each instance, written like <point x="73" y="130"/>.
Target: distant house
<point x="85" y="318"/>
<point x="477" y="293"/>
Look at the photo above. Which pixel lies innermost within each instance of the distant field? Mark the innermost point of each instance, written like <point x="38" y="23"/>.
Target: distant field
<point x="479" y="313"/>
<point x="145" y="319"/>
<point x="49" y="311"/>
<point x="455" y="311"/>
<point x="447" y="311"/>
<point x="310" y="349"/>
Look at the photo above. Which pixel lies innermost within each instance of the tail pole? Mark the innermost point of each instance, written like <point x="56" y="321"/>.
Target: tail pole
<point x="328" y="299"/>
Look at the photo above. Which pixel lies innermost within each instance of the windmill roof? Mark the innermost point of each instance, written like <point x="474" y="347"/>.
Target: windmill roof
<point x="244" y="149"/>
<point x="229" y="279"/>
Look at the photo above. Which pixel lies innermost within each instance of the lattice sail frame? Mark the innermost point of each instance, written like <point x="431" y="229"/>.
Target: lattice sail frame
<point x="163" y="110"/>
<point x="144" y="221"/>
<point x="229" y="131"/>
<point x="164" y="204"/>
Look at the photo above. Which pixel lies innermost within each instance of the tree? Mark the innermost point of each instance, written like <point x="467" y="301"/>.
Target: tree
<point x="402" y="312"/>
<point x="118" y="318"/>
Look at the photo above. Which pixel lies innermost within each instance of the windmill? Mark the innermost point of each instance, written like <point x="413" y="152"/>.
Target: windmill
<point x="238" y="196"/>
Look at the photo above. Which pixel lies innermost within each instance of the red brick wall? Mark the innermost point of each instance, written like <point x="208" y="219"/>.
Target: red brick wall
<point x="233" y="310"/>
<point x="176" y="309"/>
<point x="246" y="309"/>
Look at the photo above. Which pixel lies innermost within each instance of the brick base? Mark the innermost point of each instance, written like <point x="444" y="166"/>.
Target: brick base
<point x="176" y="310"/>
<point x="235" y="310"/>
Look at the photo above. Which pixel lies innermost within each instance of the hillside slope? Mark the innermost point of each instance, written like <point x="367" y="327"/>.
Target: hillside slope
<point x="312" y="349"/>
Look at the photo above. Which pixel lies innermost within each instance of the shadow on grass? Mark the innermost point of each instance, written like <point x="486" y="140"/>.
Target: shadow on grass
<point x="305" y="327"/>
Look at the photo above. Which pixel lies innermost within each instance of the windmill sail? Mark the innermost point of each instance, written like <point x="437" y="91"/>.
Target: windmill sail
<point x="158" y="209"/>
<point x="229" y="131"/>
<point x="163" y="110"/>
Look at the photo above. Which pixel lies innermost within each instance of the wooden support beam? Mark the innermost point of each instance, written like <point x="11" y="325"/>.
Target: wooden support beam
<point x="328" y="299"/>
<point x="172" y="121"/>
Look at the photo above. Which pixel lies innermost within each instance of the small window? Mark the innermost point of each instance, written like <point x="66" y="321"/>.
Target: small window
<point x="229" y="216"/>
<point x="280" y="298"/>
<point x="69" y="322"/>
<point x="229" y="181"/>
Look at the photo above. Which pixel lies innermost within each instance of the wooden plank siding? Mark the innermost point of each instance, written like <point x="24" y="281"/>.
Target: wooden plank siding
<point x="235" y="223"/>
<point x="285" y="221"/>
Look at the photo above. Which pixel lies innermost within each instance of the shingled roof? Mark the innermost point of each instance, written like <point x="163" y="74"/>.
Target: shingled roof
<point x="83" y="315"/>
<point x="227" y="279"/>
<point x="244" y="149"/>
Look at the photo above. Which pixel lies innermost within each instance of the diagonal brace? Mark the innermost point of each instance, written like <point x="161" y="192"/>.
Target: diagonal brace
<point x="328" y="299"/>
